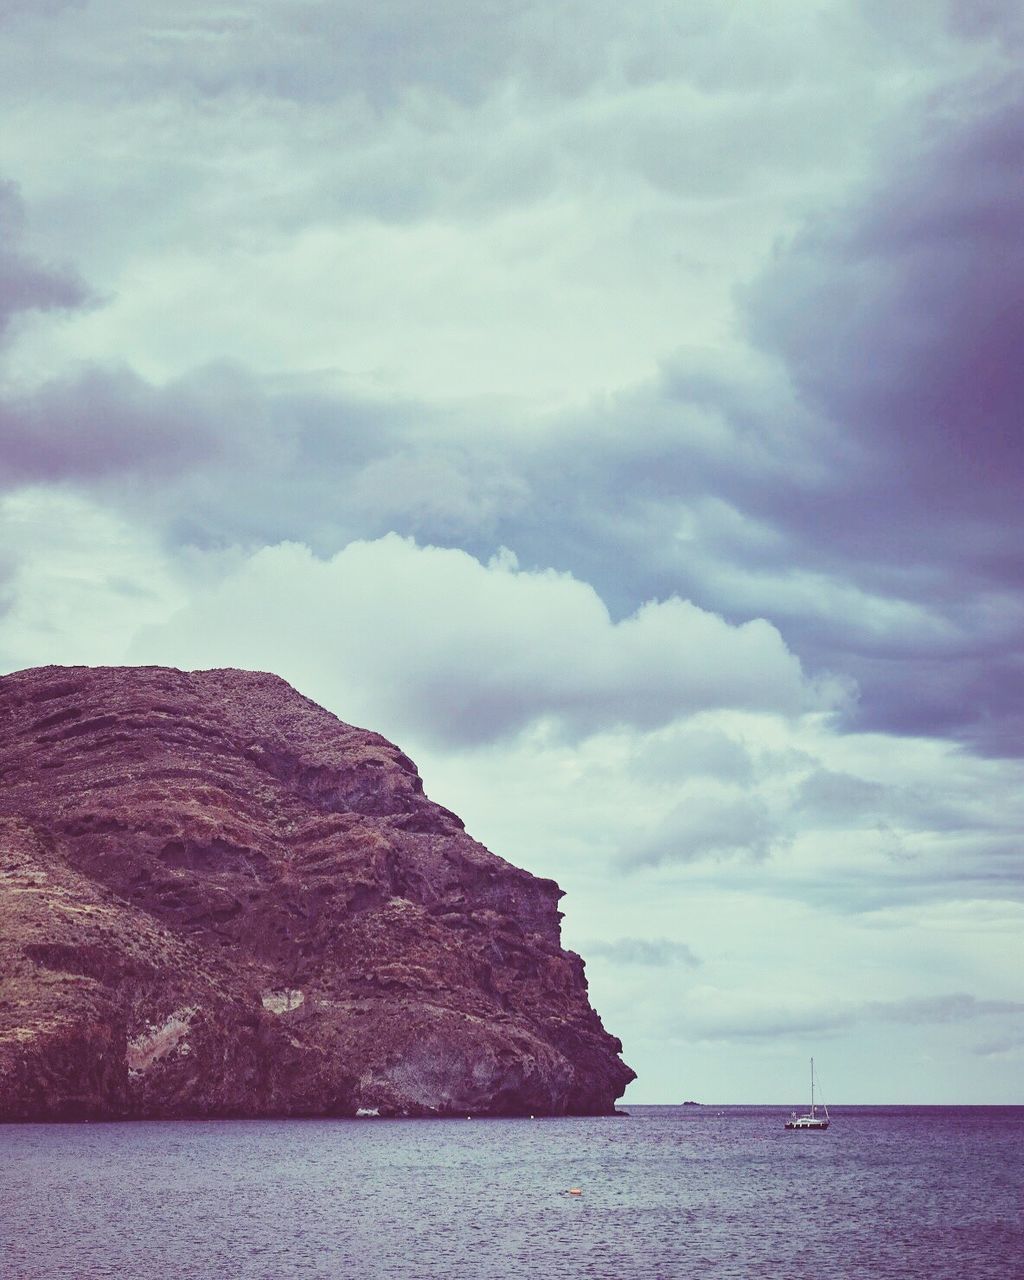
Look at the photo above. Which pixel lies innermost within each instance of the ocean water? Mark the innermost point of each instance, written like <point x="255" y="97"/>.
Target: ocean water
<point x="667" y="1192"/>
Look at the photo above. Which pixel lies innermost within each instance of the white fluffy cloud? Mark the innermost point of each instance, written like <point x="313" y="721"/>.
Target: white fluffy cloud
<point x="430" y="641"/>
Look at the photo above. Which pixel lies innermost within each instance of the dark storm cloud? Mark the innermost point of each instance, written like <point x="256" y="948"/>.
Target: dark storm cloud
<point x="26" y="284"/>
<point x="902" y="322"/>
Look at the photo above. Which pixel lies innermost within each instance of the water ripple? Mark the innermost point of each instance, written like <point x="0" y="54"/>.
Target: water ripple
<point x="668" y="1192"/>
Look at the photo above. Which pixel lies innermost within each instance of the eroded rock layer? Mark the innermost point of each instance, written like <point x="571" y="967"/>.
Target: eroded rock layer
<point x="218" y="899"/>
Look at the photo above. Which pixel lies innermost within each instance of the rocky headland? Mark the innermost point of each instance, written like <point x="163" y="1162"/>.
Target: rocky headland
<point x="216" y="899"/>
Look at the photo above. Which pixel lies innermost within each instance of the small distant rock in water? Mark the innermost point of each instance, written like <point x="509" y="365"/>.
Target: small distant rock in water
<point x="220" y="900"/>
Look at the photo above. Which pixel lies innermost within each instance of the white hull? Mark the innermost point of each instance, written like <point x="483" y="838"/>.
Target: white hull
<point x="811" y="1120"/>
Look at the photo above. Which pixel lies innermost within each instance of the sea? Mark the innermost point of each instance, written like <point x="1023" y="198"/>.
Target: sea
<point x="664" y="1193"/>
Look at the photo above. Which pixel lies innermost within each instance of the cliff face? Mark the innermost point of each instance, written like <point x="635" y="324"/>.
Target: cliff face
<point x="217" y="899"/>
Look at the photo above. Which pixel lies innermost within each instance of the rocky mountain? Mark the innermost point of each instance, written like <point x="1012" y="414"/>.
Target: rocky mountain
<point x="216" y="899"/>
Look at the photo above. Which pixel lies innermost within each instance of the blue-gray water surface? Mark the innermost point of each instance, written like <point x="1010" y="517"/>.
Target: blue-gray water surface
<point x="667" y="1192"/>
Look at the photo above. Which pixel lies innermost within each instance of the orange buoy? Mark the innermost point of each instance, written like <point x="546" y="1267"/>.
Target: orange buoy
<point x="575" y="1191"/>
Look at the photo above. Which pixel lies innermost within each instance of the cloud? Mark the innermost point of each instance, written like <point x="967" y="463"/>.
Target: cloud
<point x="488" y="199"/>
<point x="711" y="822"/>
<point x="831" y="799"/>
<point x="958" y="1007"/>
<point x="430" y="640"/>
<point x="316" y="51"/>
<point x="774" y="1021"/>
<point x="220" y="455"/>
<point x="77" y="581"/>
<point x="108" y="422"/>
<point x="686" y="750"/>
<point x="1001" y="1047"/>
<point x="652" y="952"/>
<point x="900" y="317"/>
<point x="11" y="9"/>
<point x="981" y="19"/>
<point x="26" y="283"/>
<point x="900" y="320"/>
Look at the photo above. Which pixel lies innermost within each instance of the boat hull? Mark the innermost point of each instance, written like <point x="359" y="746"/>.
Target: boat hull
<point x="809" y="1119"/>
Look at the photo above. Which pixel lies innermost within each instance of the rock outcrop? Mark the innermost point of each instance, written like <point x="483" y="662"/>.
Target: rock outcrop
<point x="216" y="899"/>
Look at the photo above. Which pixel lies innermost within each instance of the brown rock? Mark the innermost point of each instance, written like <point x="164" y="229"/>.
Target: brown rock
<point x="218" y="899"/>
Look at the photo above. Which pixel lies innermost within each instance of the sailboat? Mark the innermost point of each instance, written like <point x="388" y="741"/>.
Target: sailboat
<point x="810" y="1119"/>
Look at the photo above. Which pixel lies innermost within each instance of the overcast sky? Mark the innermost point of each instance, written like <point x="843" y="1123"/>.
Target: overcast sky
<point x="619" y="407"/>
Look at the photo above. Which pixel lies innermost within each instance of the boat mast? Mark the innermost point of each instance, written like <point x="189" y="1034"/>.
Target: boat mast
<point x="812" y="1087"/>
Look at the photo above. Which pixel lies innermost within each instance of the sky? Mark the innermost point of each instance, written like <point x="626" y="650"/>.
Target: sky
<point x="617" y="406"/>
